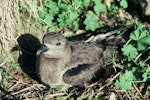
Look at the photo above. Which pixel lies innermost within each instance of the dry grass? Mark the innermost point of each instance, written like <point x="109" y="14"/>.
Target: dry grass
<point x="10" y="20"/>
<point x="11" y="25"/>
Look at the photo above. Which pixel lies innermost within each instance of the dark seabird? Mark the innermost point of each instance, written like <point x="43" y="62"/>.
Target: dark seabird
<point x="62" y="62"/>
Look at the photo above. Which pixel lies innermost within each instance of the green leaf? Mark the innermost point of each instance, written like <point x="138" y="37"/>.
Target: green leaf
<point x="124" y="4"/>
<point x="139" y="25"/>
<point x="52" y="6"/>
<point x="129" y="51"/>
<point x="5" y="83"/>
<point x="145" y="40"/>
<point x="40" y="25"/>
<point x="98" y="8"/>
<point x="62" y="88"/>
<point x="73" y="16"/>
<point x="48" y="19"/>
<point x="113" y="9"/>
<point x="45" y="27"/>
<point x="97" y="1"/>
<point x="3" y="72"/>
<point x="146" y="75"/>
<point x="62" y="6"/>
<point x="76" y="25"/>
<point x="63" y="19"/>
<point x="68" y="18"/>
<point x="98" y="97"/>
<point x="13" y="65"/>
<point x="42" y="15"/>
<point x="137" y="35"/>
<point x="60" y="98"/>
<point x="125" y="80"/>
<point x="91" y="22"/>
<point x="140" y="37"/>
<point x="141" y="46"/>
<point x="77" y="3"/>
<point x="85" y="3"/>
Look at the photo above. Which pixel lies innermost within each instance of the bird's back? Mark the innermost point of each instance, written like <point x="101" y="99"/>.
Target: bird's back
<point x="89" y="60"/>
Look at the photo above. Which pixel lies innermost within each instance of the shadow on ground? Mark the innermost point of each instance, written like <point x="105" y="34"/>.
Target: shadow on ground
<point x="28" y="45"/>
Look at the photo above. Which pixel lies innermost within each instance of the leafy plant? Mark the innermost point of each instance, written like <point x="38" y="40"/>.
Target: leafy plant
<point x="72" y="15"/>
<point x="4" y="74"/>
<point x="98" y="97"/>
<point x="129" y="51"/>
<point x="91" y="22"/>
<point x="113" y="9"/>
<point x="99" y="7"/>
<point x="125" y="80"/>
<point x="137" y="69"/>
<point x="146" y="75"/>
<point x="12" y="65"/>
<point x="141" y="37"/>
<point x="124" y="3"/>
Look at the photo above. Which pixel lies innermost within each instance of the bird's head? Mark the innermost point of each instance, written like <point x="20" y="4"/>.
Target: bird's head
<point x="54" y="45"/>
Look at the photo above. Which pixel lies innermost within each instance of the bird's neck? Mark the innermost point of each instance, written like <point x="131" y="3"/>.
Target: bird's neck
<point x="67" y="53"/>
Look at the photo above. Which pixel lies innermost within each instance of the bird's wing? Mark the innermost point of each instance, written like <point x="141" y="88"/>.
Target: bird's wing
<point x="86" y="60"/>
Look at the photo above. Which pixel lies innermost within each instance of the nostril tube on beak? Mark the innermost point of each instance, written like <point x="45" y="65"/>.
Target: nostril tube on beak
<point x="42" y="49"/>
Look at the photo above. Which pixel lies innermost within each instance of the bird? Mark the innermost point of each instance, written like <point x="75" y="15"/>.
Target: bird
<point x="74" y="63"/>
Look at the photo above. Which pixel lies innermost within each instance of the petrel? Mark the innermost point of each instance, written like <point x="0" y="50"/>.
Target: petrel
<point x="72" y="63"/>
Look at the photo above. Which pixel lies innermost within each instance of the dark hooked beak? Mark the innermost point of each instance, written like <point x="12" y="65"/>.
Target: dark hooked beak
<point x="41" y="50"/>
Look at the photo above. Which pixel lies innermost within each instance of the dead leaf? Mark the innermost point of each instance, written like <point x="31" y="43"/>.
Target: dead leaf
<point x="80" y="32"/>
<point x="108" y="3"/>
<point x="112" y="96"/>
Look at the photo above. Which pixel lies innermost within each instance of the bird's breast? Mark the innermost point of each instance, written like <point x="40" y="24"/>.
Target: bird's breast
<point x="50" y="70"/>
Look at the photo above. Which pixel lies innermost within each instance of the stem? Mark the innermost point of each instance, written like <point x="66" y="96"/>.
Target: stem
<point x="141" y="54"/>
<point x="146" y="60"/>
<point x="128" y="41"/>
<point x="138" y="81"/>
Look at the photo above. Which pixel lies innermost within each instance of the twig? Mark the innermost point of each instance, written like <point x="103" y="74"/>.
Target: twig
<point x="110" y="81"/>
<point x="53" y="95"/>
<point x="28" y="88"/>
<point x="3" y="63"/>
<point x="11" y="88"/>
<point x="138" y="91"/>
<point x="7" y="93"/>
<point x="141" y="54"/>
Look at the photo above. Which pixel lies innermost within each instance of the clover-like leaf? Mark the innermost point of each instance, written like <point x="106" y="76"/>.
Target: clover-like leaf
<point x="146" y="75"/>
<point x="85" y="3"/>
<point x="129" y="51"/>
<point x="91" y="22"/>
<point x="137" y="35"/>
<point x="98" y="8"/>
<point x="73" y="16"/>
<point x="5" y="83"/>
<point x="77" y="3"/>
<point x="63" y="19"/>
<point x="48" y="18"/>
<point x="124" y="4"/>
<point x="125" y="80"/>
<point x="145" y="40"/>
<point x="141" y="37"/>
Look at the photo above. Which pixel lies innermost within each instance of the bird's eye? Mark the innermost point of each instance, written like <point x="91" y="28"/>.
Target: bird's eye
<point x="58" y="43"/>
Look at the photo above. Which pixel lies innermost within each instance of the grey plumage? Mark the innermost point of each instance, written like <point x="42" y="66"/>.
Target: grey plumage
<point x="62" y="62"/>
